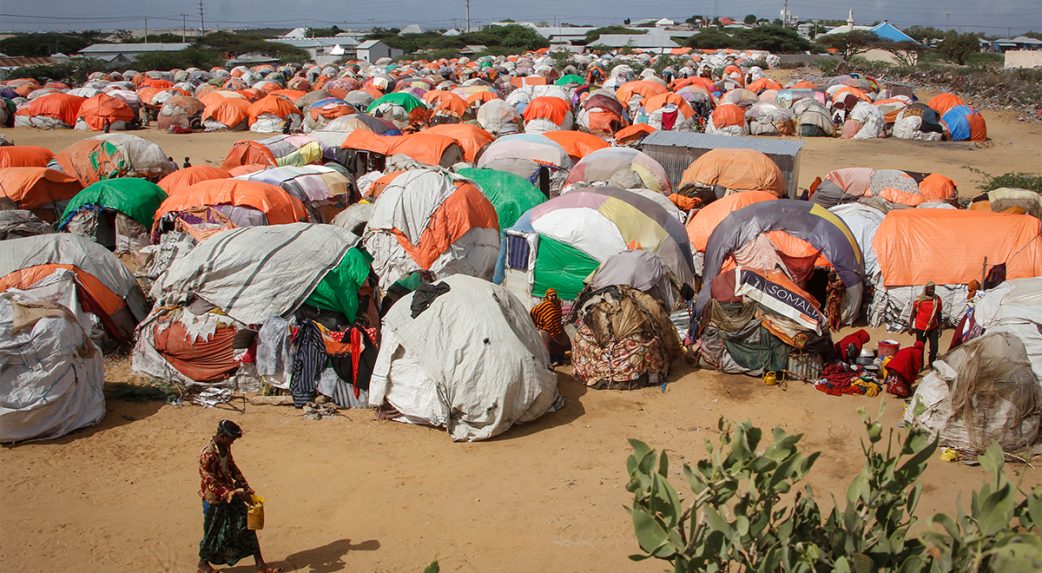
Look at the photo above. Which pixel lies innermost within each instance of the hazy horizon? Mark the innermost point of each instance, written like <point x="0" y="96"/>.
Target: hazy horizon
<point x="1000" y="18"/>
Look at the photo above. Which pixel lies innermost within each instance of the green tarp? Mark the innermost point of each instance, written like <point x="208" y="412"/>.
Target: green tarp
<point x="338" y="291"/>
<point x="136" y="198"/>
<point x="561" y="266"/>
<point x="511" y="195"/>
<point x="570" y="79"/>
<point x="403" y="99"/>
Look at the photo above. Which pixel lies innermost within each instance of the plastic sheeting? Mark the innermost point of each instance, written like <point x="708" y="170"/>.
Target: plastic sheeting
<point x="983" y="391"/>
<point x="256" y="272"/>
<point x="472" y="362"/>
<point x="52" y="378"/>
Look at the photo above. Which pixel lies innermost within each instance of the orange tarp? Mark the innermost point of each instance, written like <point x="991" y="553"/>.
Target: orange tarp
<point x="577" y="143"/>
<point x="63" y="107"/>
<point x="519" y="82"/>
<point x="271" y="104"/>
<point x="277" y="204"/>
<point x="660" y="101"/>
<point x="471" y="138"/>
<point x="949" y="246"/>
<point x="702" y="224"/>
<point x="736" y="169"/>
<point x="102" y="108"/>
<point x="481" y="97"/>
<point x="548" y="107"/>
<point x="453" y="106"/>
<point x="424" y="147"/>
<point x="109" y="301"/>
<point x="704" y="83"/>
<point x="189" y="176"/>
<point x="203" y="360"/>
<point x="633" y="131"/>
<point x="728" y="114"/>
<point x="941" y="103"/>
<point x="226" y="110"/>
<point x="465" y="209"/>
<point x="937" y="187"/>
<point x="25" y="156"/>
<point x="381" y="183"/>
<point x="291" y="95"/>
<point x="35" y="187"/>
<point x="246" y="169"/>
<point x="246" y="152"/>
<point x="843" y="91"/>
<point x="645" y="88"/>
<point x="763" y="84"/>
<point x="365" y="140"/>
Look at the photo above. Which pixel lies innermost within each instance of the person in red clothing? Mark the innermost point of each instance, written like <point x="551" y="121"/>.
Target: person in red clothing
<point x="926" y="319"/>
<point x="849" y="347"/>
<point x="903" y="369"/>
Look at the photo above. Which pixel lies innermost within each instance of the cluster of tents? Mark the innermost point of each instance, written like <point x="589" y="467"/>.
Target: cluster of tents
<point x="619" y="97"/>
<point x="394" y="265"/>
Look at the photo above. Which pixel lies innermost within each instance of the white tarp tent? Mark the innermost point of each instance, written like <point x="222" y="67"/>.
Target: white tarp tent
<point x="52" y="375"/>
<point x="472" y="362"/>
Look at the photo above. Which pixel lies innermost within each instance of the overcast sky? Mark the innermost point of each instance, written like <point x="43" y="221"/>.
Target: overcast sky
<point x="994" y="17"/>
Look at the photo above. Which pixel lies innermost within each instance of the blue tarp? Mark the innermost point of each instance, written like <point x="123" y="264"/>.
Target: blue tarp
<point x="887" y="31"/>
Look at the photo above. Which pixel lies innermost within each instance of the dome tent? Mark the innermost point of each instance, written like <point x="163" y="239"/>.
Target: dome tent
<point x="245" y="277"/>
<point x="104" y="286"/>
<point x="799" y="235"/>
<point x="430" y="219"/>
<point x="470" y="360"/>
<point x="60" y="390"/>
<point x="559" y="243"/>
<point x="116" y="213"/>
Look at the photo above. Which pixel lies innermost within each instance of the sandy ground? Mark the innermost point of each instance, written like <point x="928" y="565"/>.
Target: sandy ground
<point x="354" y="493"/>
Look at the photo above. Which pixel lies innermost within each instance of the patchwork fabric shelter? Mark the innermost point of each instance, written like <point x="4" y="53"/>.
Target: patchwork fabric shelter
<point x="279" y="150"/>
<point x="621" y="167"/>
<point x="798" y="235"/>
<point x="104" y="286"/>
<point x="558" y="244"/>
<point x="112" y="155"/>
<point x="244" y="277"/>
<point x="427" y="219"/>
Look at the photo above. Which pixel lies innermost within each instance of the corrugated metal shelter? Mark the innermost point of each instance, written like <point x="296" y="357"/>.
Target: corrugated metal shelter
<point x="675" y="150"/>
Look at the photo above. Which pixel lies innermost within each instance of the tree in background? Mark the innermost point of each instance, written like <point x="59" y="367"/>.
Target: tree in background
<point x="712" y="39"/>
<point x="849" y="44"/>
<point x="906" y="53"/>
<point x="924" y="34"/>
<point x="956" y="47"/>
<point x="45" y="44"/>
<point x="775" y="39"/>
<point x="749" y="19"/>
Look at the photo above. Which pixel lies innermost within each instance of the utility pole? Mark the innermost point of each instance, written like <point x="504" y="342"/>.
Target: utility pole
<point x="468" y="16"/>
<point x="184" y="28"/>
<point x="146" y="30"/>
<point x="202" y="20"/>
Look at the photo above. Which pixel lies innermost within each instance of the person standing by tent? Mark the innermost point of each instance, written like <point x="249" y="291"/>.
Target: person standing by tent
<point x="926" y="319"/>
<point x="834" y="300"/>
<point x="225" y="494"/>
<point x="547" y="318"/>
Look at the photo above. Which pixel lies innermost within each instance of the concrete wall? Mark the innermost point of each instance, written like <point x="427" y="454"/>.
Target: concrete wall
<point x="1023" y="59"/>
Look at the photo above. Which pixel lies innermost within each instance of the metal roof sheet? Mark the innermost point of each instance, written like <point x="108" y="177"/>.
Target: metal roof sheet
<point x="770" y="146"/>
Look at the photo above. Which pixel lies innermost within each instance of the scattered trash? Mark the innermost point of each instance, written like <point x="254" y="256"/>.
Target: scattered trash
<point x="211" y="397"/>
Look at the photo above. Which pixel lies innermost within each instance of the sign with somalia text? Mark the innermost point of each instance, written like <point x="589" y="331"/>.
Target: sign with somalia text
<point x="780" y="295"/>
